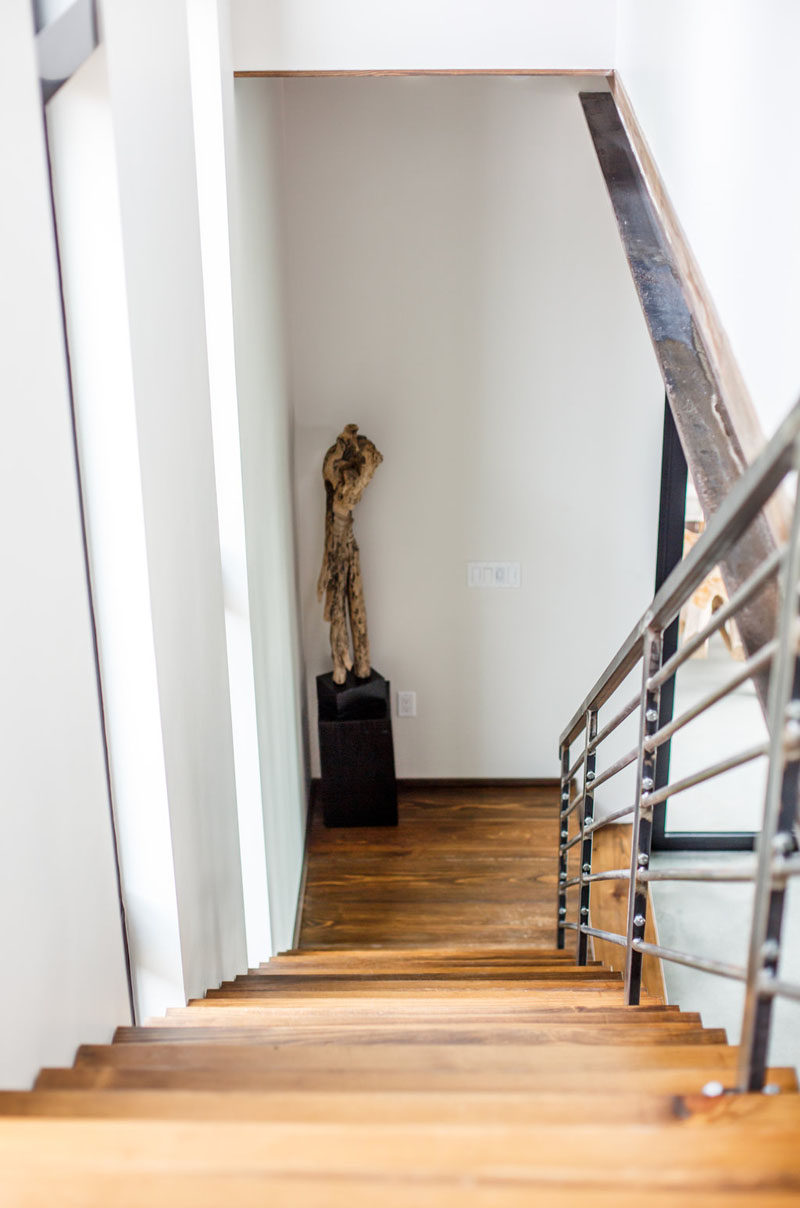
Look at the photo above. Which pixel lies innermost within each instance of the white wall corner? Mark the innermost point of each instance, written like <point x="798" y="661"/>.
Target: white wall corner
<point x="147" y="45"/>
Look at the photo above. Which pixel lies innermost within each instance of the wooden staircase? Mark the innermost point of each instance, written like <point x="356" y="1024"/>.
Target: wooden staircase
<point x="422" y="1076"/>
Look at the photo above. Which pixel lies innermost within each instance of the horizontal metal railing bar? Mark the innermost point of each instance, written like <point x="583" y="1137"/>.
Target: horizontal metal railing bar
<point x="775" y="988"/>
<point x="575" y="766"/>
<point x="714" y="769"/>
<point x="569" y="926"/>
<point x="571" y="843"/>
<point x="610" y="936"/>
<point x="616" y="720"/>
<point x="781" y="871"/>
<point x="702" y="963"/>
<point x="623" y="662"/>
<point x="573" y="805"/>
<point x="571" y="882"/>
<point x="737" y="601"/>
<point x="760" y="660"/>
<point x="618" y="765"/>
<point x="601" y="822"/>
<point x="738" y="510"/>
<point x="611" y="874"/>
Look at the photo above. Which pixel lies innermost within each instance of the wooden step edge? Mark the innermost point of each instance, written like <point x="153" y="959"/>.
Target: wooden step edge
<point x="568" y="1014"/>
<point x="419" y="1058"/>
<point x="466" y="951"/>
<point x="412" y="973"/>
<point x="125" y="1033"/>
<point x="498" y="1033"/>
<point x="569" y="1107"/>
<point x="680" y="1080"/>
<point x="437" y="1007"/>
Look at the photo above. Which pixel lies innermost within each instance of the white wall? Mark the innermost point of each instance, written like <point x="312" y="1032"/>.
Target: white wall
<point x="713" y="84"/>
<point x="212" y="102"/>
<point x="457" y="287"/>
<point x="317" y="35"/>
<point x="61" y="935"/>
<point x="81" y="140"/>
<point x="151" y="105"/>
<point x="265" y="426"/>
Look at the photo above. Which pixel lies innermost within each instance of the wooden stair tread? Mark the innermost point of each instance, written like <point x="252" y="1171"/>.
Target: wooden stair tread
<point x="609" y="994"/>
<point x="565" y="1107"/>
<point x="380" y="1063"/>
<point x="428" y="1080"/>
<point x="575" y="1010"/>
<point x="683" y="1079"/>
<point x="449" y="952"/>
<point x="243" y="1011"/>
<point x="721" y="1157"/>
<point x="477" y="1032"/>
<point x="423" y="1033"/>
<point x="424" y="1059"/>
<point x="411" y="986"/>
<point x="412" y="976"/>
<point x="189" y="1190"/>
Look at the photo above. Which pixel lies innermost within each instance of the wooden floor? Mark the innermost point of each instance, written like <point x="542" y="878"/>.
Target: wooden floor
<point x="465" y="865"/>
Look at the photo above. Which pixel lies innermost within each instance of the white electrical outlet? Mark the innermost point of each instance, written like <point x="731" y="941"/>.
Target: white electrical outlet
<point x="406" y="704"/>
<point x="493" y="574"/>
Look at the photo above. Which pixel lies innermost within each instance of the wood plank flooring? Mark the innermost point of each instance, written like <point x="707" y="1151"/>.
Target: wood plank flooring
<point x="466" y="865"/>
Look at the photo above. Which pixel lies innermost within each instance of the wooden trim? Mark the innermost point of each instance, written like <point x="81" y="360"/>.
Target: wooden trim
<point x="604" y="72"/>
<point x="301" y="892"/>
<point x="717" y="347"/>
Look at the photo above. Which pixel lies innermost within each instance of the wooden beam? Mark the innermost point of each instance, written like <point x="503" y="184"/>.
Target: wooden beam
<point x="715" y="340"/>
<point x="708" y="435"/>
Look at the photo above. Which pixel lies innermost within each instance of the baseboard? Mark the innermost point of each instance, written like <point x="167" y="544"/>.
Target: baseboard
<point x="465" y="782"/>
<point x="301" y="893"/>
<point x="484" y="782"/>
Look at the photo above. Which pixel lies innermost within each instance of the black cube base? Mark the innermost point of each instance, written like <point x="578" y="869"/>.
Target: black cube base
<point x="356" y="752"/>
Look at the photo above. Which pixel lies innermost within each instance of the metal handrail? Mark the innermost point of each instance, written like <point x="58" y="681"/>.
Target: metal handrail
<point x="618" y="765"/>
<point x="714" y="769"/>
<point x="757" y="663"/>
<point x="782" y="870"/>
<point x="718" y="619"/>
<point x="615" y="721"/>
<point x="609" y="818"/>
<point x="743" y="503"/>
<point x="777" y="859"/>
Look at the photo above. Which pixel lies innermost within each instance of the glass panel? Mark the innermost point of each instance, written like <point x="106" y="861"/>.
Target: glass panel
<point x="734" y="801"/>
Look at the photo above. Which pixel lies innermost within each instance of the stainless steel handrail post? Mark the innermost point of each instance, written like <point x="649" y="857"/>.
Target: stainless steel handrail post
<point x="643" y="816"/>
<point x="563" y="831"/>
<point x="587" y="816"/>
<point x="776" y="840"/>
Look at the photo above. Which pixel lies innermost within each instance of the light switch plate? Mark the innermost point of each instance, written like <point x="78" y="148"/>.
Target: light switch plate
<point x="494" y="574"/>
<point x="406" y="704"/>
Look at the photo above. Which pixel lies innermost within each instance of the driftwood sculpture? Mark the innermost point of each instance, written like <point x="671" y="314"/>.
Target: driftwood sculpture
<point x="347" y="470"/>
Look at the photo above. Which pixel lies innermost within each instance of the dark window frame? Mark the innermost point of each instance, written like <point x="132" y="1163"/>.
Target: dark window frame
<point x="671" y="524"/>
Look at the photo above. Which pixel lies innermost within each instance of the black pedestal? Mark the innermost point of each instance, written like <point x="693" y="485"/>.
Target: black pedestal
<point x="356" y="753"/>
